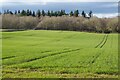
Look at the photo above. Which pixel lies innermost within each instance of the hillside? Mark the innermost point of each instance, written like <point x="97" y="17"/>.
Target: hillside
<point x="41" y="53"/>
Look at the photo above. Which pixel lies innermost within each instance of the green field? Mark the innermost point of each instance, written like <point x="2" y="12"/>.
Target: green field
<point x="53" y="54"/>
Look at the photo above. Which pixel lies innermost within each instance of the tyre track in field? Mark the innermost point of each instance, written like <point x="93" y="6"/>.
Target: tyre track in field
<point x="57" y="53"/>
<point x="14" y="57"/>
<point x="102" y="43"/>
<point x="95" y="57"/>
<point x="49" y="55"/>
<point x="8" y="57"/>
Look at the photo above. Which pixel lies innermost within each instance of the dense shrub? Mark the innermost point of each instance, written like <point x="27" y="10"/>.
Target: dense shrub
<point x="10" y="22"/>
<point x="16" y="22"/>
<point x="28" y="22"/>
<point x="113" y="24"/>
<point x="61" y="23"/>
<point x="94" y="24"/>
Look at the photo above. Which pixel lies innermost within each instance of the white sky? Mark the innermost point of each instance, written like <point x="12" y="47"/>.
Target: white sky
<point x="28" y="1"/>
<point x="44" y="2"/>
<point x="106" y="15"/>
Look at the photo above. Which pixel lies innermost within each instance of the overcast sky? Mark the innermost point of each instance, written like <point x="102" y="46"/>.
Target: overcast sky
<point x="106" y="8"/>
<point x="29" y="1"/>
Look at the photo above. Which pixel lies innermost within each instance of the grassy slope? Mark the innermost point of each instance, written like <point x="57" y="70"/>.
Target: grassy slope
<point x="59" y="54"/>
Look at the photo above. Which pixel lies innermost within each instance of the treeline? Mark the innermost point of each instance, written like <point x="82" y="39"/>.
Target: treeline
<point x="94" y="24"/>
<point x="49" y="13"/>
<point x="19" y="22"/>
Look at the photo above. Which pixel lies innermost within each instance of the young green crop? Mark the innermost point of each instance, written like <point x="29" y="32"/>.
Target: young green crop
<point x="59" y="54"/>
